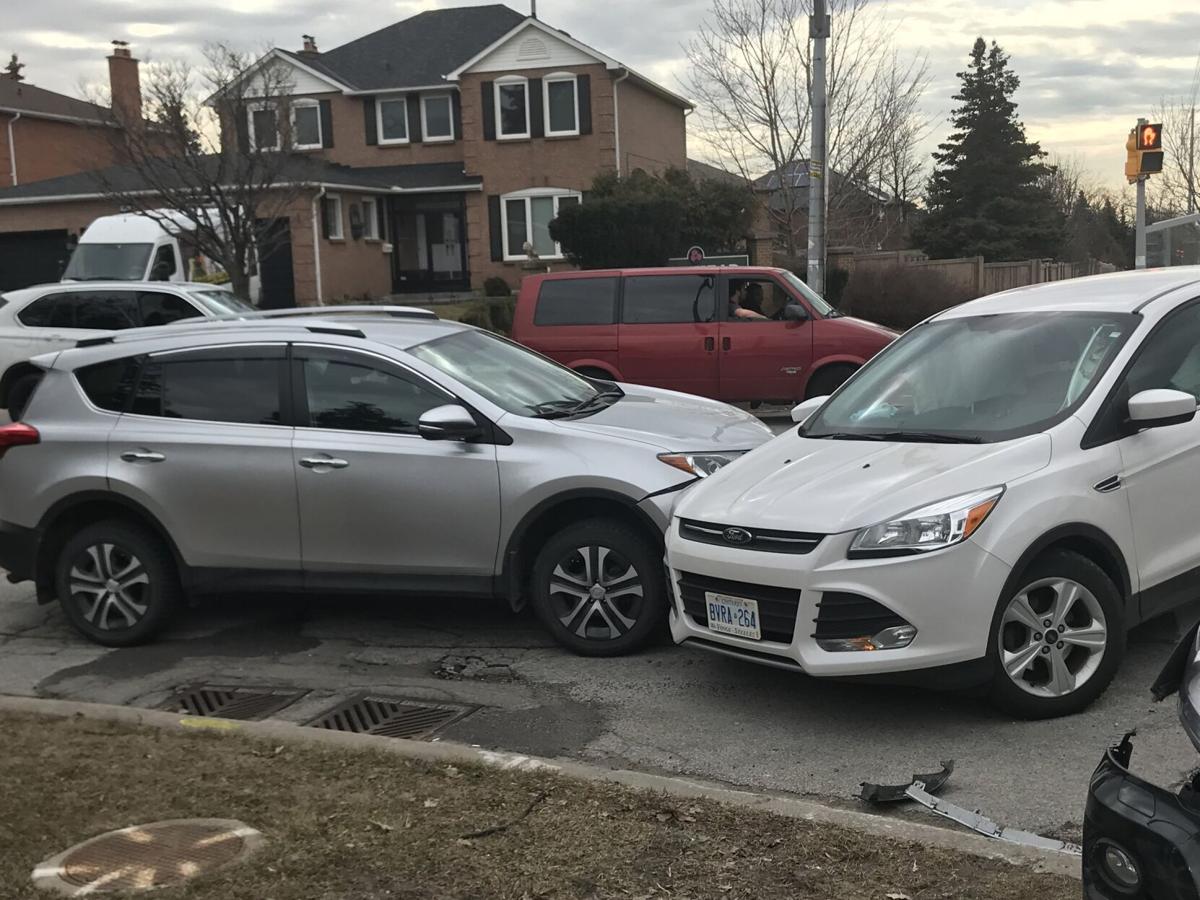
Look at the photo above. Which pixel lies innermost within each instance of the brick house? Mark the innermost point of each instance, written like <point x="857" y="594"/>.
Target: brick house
<point x="438" y="149"/>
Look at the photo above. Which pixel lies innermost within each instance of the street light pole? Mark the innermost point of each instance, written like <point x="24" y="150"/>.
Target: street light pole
<point x="1139" y="244"/>
<point x="818" y="31"/>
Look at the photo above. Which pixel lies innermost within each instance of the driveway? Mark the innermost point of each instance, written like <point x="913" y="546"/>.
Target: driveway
<point x="664" y="710"/>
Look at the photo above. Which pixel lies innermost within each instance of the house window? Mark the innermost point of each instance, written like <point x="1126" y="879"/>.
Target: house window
<point x="561" y="103"/>
<point x="264" y="127"/>
<point x="370" y="213"/>
<point x="331" y="210"/>
<point x="512" y="107"/>
<point x="392" y="120"/>
<point x="437" y="120"/>
<point x="526" y="218"/>
<point x="306" y="125"/>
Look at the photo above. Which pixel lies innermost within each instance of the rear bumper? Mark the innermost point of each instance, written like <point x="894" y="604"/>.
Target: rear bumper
<point x="1159" y="830"/>
<point x="18" y="551"/>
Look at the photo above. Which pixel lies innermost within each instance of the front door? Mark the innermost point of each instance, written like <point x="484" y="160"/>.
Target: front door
<point x="1161" y="464"/>
<point x="429" y="251"/>
<point x="763" y="357"/>
<point x="278" y="283"/>
<point x="668" y="332"/>
<point x="375" y="497"/>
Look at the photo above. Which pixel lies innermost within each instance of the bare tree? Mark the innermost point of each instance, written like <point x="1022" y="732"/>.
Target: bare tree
<point x="750" y="72"/>
<point x="1177" y="190"/>
<point x="188" y="162"/>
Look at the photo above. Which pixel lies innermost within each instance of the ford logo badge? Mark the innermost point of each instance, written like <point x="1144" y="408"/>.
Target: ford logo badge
<point x="737" y="536"/>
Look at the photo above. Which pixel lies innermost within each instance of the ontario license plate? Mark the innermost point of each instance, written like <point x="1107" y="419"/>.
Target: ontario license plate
<point x="733" y="615"/>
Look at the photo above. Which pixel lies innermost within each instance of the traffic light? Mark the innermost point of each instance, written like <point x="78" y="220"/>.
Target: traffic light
<point x="1143" y="151"/>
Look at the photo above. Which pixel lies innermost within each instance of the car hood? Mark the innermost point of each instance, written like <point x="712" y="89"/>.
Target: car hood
<point x="674" y="422"/>
<point x="827" y="486"/>
<point x="874" y="327"/>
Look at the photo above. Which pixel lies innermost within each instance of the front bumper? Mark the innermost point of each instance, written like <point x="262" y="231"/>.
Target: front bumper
<point x="1159" y="830"/>
<point x="18" y="551"/>
<point x="949" y="596"/>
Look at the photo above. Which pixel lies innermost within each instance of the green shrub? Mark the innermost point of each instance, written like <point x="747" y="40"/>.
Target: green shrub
<point x="496" y="287"/>
<point x="899" y="296"/>
<point x="494" y="314"/>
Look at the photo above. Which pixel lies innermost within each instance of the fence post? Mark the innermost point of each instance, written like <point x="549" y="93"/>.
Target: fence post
<point x="1035" y="271"/>
<point x="979" y="281"/>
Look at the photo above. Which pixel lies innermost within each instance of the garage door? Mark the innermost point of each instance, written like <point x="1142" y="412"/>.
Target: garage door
<point x="32" y="257"/>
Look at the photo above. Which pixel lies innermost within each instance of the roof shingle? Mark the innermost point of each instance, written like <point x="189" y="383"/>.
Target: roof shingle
<point x="34" y="100"/>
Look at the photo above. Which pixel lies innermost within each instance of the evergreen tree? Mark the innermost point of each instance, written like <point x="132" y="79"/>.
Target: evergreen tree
<point x="983" y="197"/>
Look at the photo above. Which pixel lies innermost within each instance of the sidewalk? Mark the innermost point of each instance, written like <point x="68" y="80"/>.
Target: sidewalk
<point x="364" y="824"/>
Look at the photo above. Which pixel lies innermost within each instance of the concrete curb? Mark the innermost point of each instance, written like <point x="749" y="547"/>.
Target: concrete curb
<point x="1050" y="861"/>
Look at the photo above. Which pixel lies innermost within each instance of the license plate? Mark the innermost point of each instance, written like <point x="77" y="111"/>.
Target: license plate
<point x="733" y="615"/>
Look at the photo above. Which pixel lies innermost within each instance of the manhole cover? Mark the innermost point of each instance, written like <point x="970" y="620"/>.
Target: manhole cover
<point x="143" y="857"/>
<point x="398" y="717"/>
<point x="230" y="702"/>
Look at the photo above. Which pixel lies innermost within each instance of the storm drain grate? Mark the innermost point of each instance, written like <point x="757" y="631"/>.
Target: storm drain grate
<point x="230" y="702"/>
<point x="396" y="717"/>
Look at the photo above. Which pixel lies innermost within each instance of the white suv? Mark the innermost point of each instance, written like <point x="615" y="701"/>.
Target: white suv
<point x="995" y="499"/>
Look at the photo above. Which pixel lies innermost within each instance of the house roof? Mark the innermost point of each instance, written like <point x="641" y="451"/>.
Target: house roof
<point x="794" y="175"/>
<point x="706" y="172"/>
<point x="31" y="100"/>
<point x="418" y="51"/>
<point x="299" y="170"/>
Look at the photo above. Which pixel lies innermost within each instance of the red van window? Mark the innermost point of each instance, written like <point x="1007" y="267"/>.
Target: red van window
<point x="577" y="301"/>
<point x="662" y="299"/>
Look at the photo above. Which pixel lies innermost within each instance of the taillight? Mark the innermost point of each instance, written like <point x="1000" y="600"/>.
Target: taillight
<point x="18" y="434"/>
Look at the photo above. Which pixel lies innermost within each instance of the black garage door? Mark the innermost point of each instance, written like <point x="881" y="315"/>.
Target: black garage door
<point x="32" y="257"/>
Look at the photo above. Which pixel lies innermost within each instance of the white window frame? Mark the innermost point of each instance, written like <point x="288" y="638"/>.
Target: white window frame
<point x="402" y="99"/>
<point x="439" y="138"/>
<point x="337" y="231"/>
<point x="510" y="81"/>
<point x="306" y="103"/>
<point x="251" y="109"/>
<point x="559" y="77"/>
<point x="370" y="219"/>
<point x="528" y="195"/>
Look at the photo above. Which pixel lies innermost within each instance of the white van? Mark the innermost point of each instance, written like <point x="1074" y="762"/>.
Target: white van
<point x="137" y="247"/>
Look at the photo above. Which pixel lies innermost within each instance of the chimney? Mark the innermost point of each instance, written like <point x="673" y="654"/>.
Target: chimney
<point x="310" y="44"/>
<point x="125" y="84"/>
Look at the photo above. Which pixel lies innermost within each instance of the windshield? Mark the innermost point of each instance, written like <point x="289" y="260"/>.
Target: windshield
<point x="515" y="379"/>
<point x="815" y="300"/>
<point x="221" y="303"/>
<point x="108" y="262"/>
<point x="984" y="378"/>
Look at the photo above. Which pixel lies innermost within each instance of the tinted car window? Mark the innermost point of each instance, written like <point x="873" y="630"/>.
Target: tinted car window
<point x="109" y="384"/>
<point x="1170" y="358"/>
<point x="107" y="310"/>
<point x="158" y="308"/>
<point x="244" y="391"/>
<point x="669" y="298"/>
<point x="577" y="301"/>
<point x="54" y="311"/>
<point x="353" y="397"/>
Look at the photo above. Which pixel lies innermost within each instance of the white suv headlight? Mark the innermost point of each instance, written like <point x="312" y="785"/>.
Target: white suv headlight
<point x="934" y="527"/>
<point x="701" y="464"/>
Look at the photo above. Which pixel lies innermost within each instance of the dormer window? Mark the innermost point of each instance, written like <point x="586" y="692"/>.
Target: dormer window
<point x="512" y="107"/>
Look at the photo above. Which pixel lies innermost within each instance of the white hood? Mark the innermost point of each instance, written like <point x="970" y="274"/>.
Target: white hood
<point x="830" y="486"/>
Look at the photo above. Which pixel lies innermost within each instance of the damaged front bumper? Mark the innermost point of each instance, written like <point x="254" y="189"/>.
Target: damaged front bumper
<point x="1139" y="840"/>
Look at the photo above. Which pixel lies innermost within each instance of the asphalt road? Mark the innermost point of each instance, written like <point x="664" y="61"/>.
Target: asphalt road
<point x="666" y="709"/>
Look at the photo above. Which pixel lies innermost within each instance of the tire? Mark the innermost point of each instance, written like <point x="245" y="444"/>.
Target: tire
<point x="1077" y="597"/>
<point x="114" y="551"/>
<point x="19" y="394"/>
<point x="827" y="380"/>
<point x="565" y="594"/>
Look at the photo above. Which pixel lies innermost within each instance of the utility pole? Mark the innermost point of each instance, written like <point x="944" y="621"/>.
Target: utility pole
<point x="818" y="31"/>
<point x="1139" y="242"/>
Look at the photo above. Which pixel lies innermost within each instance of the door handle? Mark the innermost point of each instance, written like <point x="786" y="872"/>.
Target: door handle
<point x="328" y="462"/>
<point x="142" y="456"/>
<point x="725" y="343"/>
<point x="710" y="343"/>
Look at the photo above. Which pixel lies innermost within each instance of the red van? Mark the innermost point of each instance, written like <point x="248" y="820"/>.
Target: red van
<point x="731" y="333"/>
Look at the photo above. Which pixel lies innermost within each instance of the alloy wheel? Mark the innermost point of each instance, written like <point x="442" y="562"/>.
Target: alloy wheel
<point x="110" y="585"/>
<point x="596" y="593"/>
<point x="1052" y="637"/>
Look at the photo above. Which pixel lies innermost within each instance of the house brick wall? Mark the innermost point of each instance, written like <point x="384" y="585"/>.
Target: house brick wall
<point x="653" y="133"/>
<point x="350" y="268"/>
<point x="46" y="148"/>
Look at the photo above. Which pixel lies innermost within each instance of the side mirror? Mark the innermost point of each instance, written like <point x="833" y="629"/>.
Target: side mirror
<point x="794" y="312"/>
<point x="802" y="412"/>
<point x="448" y="423"/>
<point x="1159" y="407"/>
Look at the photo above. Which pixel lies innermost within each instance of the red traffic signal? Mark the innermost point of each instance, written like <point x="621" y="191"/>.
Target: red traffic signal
<point x="1149" y="137"/>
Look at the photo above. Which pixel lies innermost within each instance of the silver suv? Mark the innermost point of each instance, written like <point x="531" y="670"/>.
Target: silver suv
<point x="358" y="453"/>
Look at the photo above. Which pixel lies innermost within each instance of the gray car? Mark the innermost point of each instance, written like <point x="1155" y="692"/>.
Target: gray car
<point x="407" y="455"/>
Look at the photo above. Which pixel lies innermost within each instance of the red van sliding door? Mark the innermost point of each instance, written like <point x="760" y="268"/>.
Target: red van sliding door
<point x="669" y="331"/>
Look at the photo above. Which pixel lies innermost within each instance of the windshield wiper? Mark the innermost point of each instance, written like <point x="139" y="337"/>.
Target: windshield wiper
<point x="552" y="409"/>
<point x="930" y="437"/>
<point x="844" y="436"/>
<point x="592" y="404"/>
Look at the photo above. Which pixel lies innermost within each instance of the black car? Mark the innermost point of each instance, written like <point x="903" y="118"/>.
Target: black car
<point x="1141" y="840"/>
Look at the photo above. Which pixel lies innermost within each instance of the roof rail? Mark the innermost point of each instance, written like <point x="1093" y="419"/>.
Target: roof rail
<point x="336" y="329"/>
<point x="395" y="312"/>
<point x="95" y="341"/>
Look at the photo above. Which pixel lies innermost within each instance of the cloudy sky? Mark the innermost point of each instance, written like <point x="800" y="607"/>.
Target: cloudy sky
<point x="1088" y="67"/>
